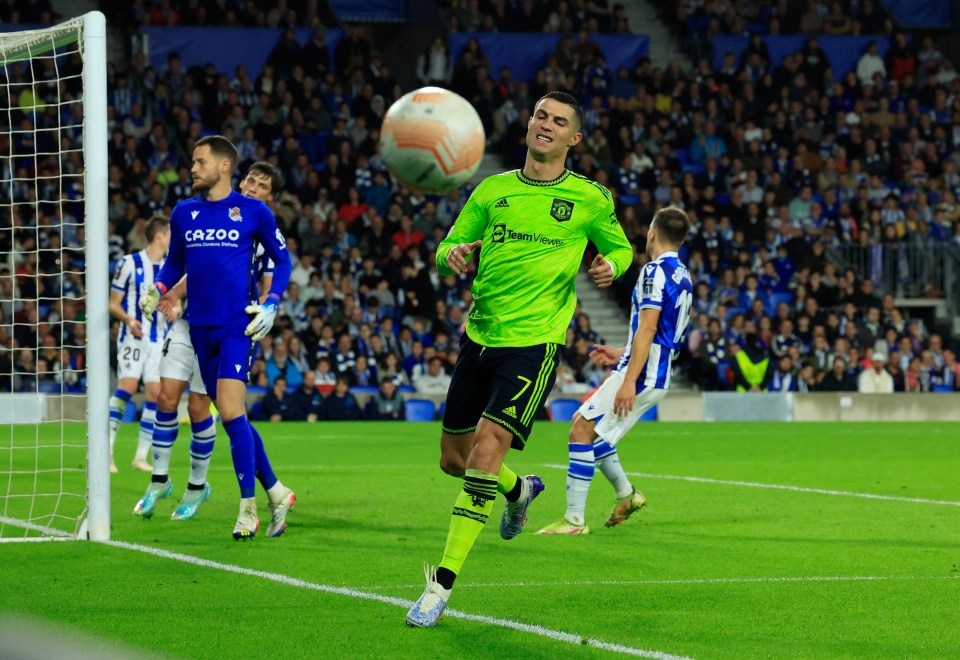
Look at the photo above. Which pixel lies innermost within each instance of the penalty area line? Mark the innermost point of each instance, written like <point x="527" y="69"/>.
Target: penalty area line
<point x="557" y="635"/>
<point x="795" y="489"/>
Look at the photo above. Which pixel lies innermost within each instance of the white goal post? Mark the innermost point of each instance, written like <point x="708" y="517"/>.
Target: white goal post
<point x="54" y="384"/>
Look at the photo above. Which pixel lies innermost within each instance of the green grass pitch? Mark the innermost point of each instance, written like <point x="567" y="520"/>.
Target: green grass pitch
<point x="707" y="570"/>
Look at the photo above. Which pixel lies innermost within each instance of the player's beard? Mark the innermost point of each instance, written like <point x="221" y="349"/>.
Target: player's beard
<point x="204" y="185"/>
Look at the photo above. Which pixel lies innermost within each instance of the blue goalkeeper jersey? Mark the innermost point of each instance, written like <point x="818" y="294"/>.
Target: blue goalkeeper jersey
<point x="664" y="284"/>
<point x="215" y="243"/>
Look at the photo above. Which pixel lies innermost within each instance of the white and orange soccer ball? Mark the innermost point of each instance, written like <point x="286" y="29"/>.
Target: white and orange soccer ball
<point x="432" y="140"/>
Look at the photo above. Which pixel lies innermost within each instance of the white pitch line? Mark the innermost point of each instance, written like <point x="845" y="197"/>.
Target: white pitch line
<point x="748" y="580"/>
<point x="796" y="489"/>
<point x="558" y="635"/>
<point x="43" y="529"/>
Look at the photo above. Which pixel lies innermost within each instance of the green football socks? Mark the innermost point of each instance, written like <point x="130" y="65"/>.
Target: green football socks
<point x="506" y="480"/>
<point x="470" y="513"/>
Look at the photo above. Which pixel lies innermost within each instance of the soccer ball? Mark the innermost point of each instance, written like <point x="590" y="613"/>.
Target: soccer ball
<point x="432" y="140"/>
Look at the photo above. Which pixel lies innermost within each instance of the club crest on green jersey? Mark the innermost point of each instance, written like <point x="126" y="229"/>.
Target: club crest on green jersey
<point x="562" y="210"/>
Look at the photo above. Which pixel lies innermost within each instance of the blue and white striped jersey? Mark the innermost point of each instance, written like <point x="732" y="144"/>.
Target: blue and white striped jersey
<point x="134" y="274"/>
<point x="664" y="284"/>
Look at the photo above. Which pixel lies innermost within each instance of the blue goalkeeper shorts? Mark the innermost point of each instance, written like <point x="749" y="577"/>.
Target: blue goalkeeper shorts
<point x="223" y="352"/>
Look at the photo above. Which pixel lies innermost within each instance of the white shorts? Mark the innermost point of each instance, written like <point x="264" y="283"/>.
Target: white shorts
<point x="138" y="359"/>
<point x="612" y="427"/>
<point x="180" y="360"/>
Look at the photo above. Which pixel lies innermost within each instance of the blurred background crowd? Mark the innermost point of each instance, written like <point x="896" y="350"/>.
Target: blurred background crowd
<point x="819" y="198"/>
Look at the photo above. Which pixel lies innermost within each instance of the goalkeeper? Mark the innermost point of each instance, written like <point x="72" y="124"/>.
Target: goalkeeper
<point x="534" y="224"/>
<point x="178" y="368"/>
<point x="213" y="242"/>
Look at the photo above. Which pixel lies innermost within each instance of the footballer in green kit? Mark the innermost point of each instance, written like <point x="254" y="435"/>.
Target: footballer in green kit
<point x="533" y="225"/>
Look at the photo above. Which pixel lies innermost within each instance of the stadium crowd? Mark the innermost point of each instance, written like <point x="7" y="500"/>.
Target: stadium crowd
<point x="779" y="164"/>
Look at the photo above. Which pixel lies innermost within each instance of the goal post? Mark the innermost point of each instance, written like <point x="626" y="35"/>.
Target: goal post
<point x="98" y="310"/>
<point x="54" y="283"/>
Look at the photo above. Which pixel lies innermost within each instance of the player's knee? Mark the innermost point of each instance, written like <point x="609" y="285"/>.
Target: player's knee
<point x="167" y="401"/>
<point x="452" y="465"/>
<point x="198" y="407"/>
<point x="491" y="445"/>
<point x="581" y="431"/>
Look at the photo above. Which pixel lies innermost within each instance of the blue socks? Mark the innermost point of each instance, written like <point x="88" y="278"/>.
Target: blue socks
<point x="145" y="439"/>
<point x="264" y="470"/>
<point x="579" y="475"/>
<point x="164" y="435"/>
<point x="201" y="449"/>
<point x="244" y="454"/>
<point x="118" y="404"/>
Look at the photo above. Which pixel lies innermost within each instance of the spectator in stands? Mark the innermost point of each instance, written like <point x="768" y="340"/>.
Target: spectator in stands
<point x="279" y="365"/>
<point x="784" y="378"/>
<point x="386" y="404"/>
<point x="276" y="403"/>
<point x="752" y="370"/>
<point x="870" y="65"/>
<point x="707" y="145"/>
<point x="435" y="66"/>
<point x="876" y="379"/>
<point x="306" y="404"/>
<point x="838" y="379"/>
<point x="434" y="381"/>
<point x="341" y="405"/>
<point x="324" y="376"/>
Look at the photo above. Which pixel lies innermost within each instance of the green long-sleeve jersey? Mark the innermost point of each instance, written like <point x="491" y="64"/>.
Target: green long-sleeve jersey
<point x="534" y="234"/>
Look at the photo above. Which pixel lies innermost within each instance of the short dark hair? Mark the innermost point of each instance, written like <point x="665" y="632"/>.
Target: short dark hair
<point x="158" y="224"/>
<point x="264" y="168"/>
<point x="567" y="99"/>
<point x="221" y="147"/>
<point x="673" y="224"/>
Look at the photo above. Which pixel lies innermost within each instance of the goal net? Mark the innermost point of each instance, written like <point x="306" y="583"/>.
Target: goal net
<point x="54" y="356"/>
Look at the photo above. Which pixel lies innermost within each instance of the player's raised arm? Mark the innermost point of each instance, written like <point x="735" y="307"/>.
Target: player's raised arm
<point x="457" y="248"/>
<point x="616" y="253"/>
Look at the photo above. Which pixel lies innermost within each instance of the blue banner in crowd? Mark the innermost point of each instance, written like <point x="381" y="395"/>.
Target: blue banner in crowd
<point x="842" y="52"/>
<point x="527" y="52"/>
<point x="392" y="11"/>
<point x="225" y="47"/>
<point x="920" y="13"/>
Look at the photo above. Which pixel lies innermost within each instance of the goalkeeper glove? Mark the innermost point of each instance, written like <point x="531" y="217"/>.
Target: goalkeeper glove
<point x="260" y="326"/>
<point x="150" y="299"/>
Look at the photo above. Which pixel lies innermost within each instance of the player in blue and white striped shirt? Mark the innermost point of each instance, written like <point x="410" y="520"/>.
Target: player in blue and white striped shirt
<point x="141" y="338"/>
<point x="660" y="312"/>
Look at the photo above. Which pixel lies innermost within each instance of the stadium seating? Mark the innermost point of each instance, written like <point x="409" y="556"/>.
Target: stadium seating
<point x="563" y="410"/>
<point x="649" y="416"/>
<point x="420" y="410"/>
<point x="129" y="413"/>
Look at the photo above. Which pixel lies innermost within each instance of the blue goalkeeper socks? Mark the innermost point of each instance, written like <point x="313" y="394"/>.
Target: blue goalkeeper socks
<point x="264" y="470"/>
<point x="244" y="455"/>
